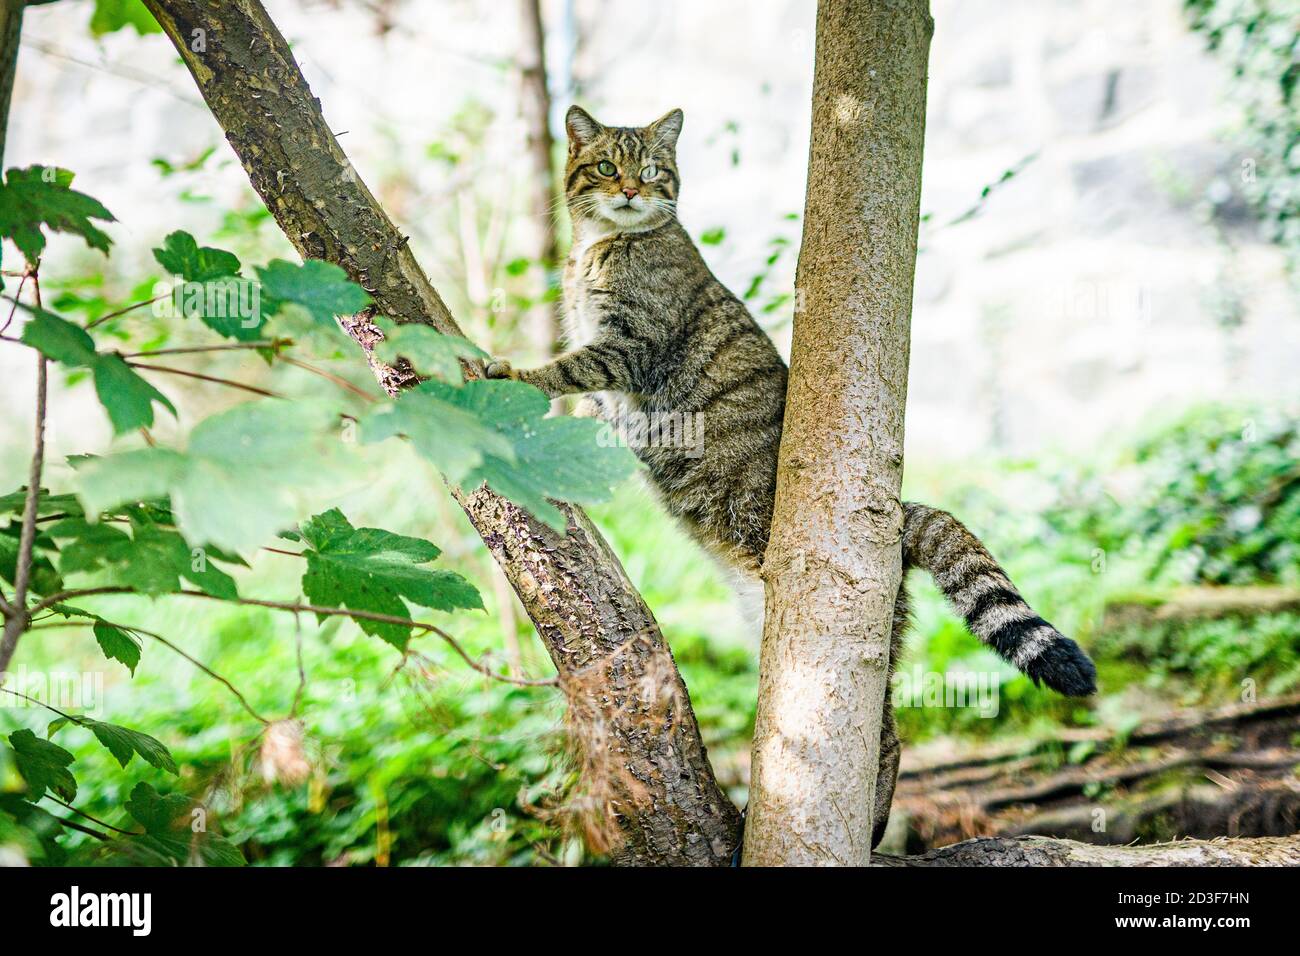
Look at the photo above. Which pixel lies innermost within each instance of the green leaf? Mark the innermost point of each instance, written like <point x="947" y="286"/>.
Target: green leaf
<point x="562" y="458"/>
<point x="428" y="350"/>
<point x="118" y="645"/>
<point x="46" y="504"/>
<point x="532" y="457"/>
<point x="124" y="743"/>
<point x="43" y="765"/>
<point x="182" y="256"/>
<point x="155" y="812"/>
<point x="230" y="306"/>
<point x="140" y="475"/>
<point x="151" y="560"/>
<point x="59" y="340"/>
<point x="113" y="15"/>
<point x="713" y="237"/>
<point x="213" y="291"/>
<point x="432" y="416"/>
<point x="126" y="396"/>
<point x="44" y="578"/>
<point x="32" y="829"/>
<point x="239" y="482"/>
<point x="41" y="198"/>
<point x="321" y="288"/>
<point x="369" y="569"/>
<point x="169" y="833"/>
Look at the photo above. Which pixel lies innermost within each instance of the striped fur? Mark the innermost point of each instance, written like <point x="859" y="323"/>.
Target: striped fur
<point x="654" y="332"/>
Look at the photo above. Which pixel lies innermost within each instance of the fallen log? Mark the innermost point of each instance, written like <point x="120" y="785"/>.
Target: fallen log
<point x="1225" y="772"/>
<point x="1041" y="851"/>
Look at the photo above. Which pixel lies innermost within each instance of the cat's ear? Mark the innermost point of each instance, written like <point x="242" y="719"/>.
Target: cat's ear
<point x="582" y="128"/>
<point x="667" y="128"/>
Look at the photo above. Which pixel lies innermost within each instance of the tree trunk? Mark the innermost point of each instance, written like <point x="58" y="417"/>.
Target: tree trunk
<point x="11" y="25"/>
<point x="535" y="101"/>
<point x="834" y="564"/>
<point x="658" y="786"/>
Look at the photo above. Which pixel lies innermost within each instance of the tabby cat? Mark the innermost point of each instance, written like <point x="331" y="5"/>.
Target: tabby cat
<point x="656" y="334"/>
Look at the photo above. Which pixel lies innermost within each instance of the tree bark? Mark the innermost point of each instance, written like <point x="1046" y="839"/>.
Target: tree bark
<point x="535" y="101"/>
<point x="604" y="641"/>
<point x="1040" y="851"/>
<point x="11" y="25"/>
<point x="833" y="564"/>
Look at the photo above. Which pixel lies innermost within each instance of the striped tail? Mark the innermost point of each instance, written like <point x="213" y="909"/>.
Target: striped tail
<point x="982" y="593"/>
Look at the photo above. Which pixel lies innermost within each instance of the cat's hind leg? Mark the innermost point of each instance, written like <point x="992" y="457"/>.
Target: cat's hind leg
<point x="890" y="746"/>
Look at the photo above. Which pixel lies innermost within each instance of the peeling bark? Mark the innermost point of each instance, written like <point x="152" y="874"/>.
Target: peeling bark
<point x="834" y="563"/>
<point x="665" y="800"/>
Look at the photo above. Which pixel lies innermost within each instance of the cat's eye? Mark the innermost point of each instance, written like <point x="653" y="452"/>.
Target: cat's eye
<point x="605" y="168"/>
<point x="649" y="173"/>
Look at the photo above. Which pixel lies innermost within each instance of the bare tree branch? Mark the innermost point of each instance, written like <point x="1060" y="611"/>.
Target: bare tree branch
<point x="17" y="619"/>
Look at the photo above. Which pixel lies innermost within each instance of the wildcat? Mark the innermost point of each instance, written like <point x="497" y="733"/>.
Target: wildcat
<point x="655" y="333"/>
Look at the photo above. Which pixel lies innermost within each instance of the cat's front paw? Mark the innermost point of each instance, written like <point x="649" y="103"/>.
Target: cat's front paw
<point x="500" y="369"/>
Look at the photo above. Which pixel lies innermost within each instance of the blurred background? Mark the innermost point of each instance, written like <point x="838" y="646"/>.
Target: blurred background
<point x="1106" y="338"/>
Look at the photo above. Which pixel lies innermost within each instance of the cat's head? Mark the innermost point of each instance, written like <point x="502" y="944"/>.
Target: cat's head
<point x="619" y="175"/>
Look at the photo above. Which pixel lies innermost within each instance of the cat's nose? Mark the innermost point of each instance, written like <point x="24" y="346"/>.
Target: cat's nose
<point x="629" y="192"/>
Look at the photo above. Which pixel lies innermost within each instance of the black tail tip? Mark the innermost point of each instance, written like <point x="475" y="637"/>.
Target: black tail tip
<point x="1064" y="667"/>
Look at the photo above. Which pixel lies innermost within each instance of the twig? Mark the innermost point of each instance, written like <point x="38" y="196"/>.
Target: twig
<point x="83" y="813"/>
<point x="40" y="703"/>
<point x="124" y="311"/>
<point x="230" y="347"/>
<point x="302" y="670"/>
<point x="55" y="625"/>
<point x="14" y="308"/>
<point x="61" y="596"/>
<point x="73" y="825"/>
<point x="206" y="378"/>
<point x="382" y="619"/>
<point x="325" y="611"/>
<point x="336" y="379"/>
<point x="292" y="554"/>
<point x="16" y="615"/>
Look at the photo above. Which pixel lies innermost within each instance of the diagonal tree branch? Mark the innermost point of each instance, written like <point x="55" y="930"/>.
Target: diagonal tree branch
<point x="667" y="804"/>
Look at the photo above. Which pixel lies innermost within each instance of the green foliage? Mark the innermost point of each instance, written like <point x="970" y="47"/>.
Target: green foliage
<point x="181" y="255"/>
<point x="152" y="559"/>
<point x="38" y="198"/>
<point x="112" y="15"/>
<point x="127" y="397"/>
<point x="236" y="484"/>
<point x="368" y="569"/>
<point x="118" y="644"/>
<point x="322" y="289"/>
<point x="1260" y="42"/>
<point x="123" y="743"/>
<point x="1217" y="501"/>
<point x="497" y="432"/>
<point x="170" y="837"/>
<point x="43" y="765"/>
<point x="32" y="830"/>
<point x="1217" y="654"/>
<point x="429" y="351"/>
